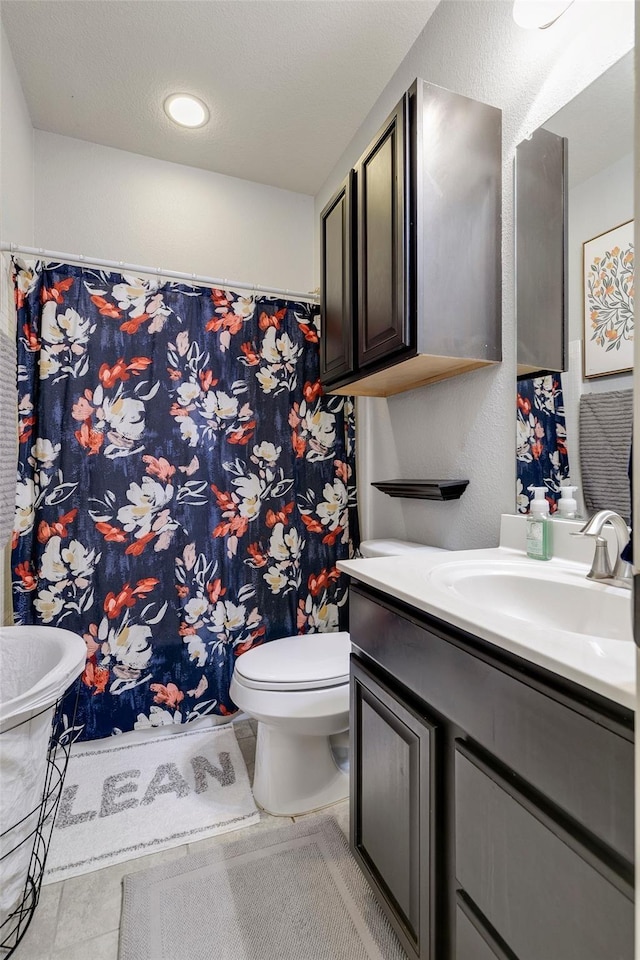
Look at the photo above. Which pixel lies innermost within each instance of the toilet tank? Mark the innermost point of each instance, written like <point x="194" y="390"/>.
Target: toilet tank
<point x="394" y="548"/>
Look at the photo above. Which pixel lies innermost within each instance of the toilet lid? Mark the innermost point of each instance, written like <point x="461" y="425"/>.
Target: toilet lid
<point x="297" y="663"/>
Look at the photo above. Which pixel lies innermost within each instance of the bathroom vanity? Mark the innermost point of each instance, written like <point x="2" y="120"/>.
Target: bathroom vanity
<point x="492" y="798"/>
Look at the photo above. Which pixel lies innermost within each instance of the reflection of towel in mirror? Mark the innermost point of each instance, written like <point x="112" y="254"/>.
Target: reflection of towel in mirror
<point x="627" y="553"/>
<point x="606" y="421"/>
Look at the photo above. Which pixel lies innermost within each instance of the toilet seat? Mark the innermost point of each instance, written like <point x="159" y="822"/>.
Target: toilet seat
<point x="309" y="662"/>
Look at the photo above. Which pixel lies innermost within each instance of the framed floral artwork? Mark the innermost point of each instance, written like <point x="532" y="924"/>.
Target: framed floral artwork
<point x="608" y="302"/>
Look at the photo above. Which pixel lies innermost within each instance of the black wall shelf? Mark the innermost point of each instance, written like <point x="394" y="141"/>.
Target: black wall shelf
<point x="423" y="489"/>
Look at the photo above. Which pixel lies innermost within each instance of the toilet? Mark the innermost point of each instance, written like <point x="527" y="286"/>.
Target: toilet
<point x="297" y="688"/>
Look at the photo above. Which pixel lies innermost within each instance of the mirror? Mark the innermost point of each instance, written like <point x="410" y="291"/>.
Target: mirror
<point x="574" y="253"/>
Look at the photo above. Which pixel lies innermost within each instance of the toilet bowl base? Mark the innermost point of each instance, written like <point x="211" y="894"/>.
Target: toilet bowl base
<point x="295" y="774"/>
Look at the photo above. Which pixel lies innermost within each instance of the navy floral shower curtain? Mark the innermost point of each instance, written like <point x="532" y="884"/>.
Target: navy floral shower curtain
<point x="185" y="489"/>
<point x="541" y="448"/>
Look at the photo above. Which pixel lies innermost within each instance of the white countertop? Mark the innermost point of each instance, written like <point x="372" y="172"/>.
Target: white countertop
<point x="606" y="666"/>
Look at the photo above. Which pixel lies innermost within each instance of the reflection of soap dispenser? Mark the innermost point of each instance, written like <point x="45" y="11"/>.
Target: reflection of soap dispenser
<point x="567" y="506"/>
<point x="539" y="526"/>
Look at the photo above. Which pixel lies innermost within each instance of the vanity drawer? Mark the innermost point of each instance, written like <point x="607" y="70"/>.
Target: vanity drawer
<point x="582" y="763"/>
<point x="547" y="897"/>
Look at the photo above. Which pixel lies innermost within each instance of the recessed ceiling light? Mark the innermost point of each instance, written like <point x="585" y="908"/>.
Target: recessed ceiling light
<point x="186" y="110"/>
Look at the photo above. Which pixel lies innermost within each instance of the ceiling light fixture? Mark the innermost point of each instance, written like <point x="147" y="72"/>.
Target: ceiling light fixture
<point x="538" y="13"/>
<point x="186" y="110"/>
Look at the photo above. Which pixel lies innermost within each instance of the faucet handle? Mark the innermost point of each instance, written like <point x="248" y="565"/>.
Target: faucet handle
<point x="584" y="532"/>
<point x="601" y="566"/>
<point x="593" y="526"/>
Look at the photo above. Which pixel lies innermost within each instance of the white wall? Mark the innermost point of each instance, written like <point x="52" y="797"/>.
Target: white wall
<point x="596" y="205"/>
<point x="16" y="223"/>
<point x="465" y="427"/>
<point x="116" y="205"/>
<point x="16" y="153"/>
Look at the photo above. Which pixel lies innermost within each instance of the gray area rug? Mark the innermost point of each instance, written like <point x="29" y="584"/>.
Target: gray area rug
<point x="289" y="893"/>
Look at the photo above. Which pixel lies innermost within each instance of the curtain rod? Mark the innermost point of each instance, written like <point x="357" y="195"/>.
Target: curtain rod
<point x="136" y="268"/>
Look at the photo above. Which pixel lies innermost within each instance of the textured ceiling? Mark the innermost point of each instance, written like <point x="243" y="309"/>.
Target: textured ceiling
<point x="288" y="82"/>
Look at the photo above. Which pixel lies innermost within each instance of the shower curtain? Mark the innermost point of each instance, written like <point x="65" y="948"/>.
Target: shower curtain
<point x="541" y="448"/>
<point x="184" y="491"/>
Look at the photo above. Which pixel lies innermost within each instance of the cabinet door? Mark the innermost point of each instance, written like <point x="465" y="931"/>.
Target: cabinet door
<point x="337" y="292"/>
<point x="392" y="806"/>
<point x="383" y="243"/>
<point x="541" y="253"/>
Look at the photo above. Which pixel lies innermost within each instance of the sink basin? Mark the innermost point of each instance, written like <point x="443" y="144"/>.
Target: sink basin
<point x="540" y="595"/>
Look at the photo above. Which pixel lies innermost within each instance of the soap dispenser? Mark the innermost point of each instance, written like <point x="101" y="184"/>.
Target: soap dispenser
<point x="539" y="526"/>
<point x="567" y="505"/>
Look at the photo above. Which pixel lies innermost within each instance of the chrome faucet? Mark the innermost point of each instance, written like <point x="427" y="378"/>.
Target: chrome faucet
<point x="622" y="574"/>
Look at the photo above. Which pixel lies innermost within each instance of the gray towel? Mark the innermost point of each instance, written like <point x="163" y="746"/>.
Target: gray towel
<point x="606" y="423"/>
<point x="8" y="435"/>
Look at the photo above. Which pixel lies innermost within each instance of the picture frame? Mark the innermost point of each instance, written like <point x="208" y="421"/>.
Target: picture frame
<point x="608" y="324"/>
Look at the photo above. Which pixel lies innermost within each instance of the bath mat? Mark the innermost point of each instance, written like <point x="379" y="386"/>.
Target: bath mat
<point x="287" y="893"/>
<point x="123" y="800"/>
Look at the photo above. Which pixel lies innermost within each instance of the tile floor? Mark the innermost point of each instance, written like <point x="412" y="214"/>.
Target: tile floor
<point x="79" y="919"/>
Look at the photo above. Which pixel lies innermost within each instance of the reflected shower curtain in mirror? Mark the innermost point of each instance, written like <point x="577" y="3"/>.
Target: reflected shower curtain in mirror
<point x="541" y="448"/>
<point x="185" y="489"/>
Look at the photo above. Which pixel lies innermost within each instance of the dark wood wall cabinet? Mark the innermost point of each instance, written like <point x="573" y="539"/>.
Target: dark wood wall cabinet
<point x="411" y="250"/>
<point x="492" y="802"/>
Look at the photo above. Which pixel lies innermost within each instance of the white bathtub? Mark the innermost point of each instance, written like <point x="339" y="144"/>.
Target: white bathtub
<point x="37" y="665"/>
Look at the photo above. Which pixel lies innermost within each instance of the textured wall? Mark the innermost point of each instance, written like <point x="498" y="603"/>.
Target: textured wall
<point x="465" y="427"/>
<point x="116" y="205"/>
<point x="16" y="153"/>
<point x="16" y="223"/>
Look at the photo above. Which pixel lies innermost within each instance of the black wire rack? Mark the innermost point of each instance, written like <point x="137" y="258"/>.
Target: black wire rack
<point x="43" y="816"/>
